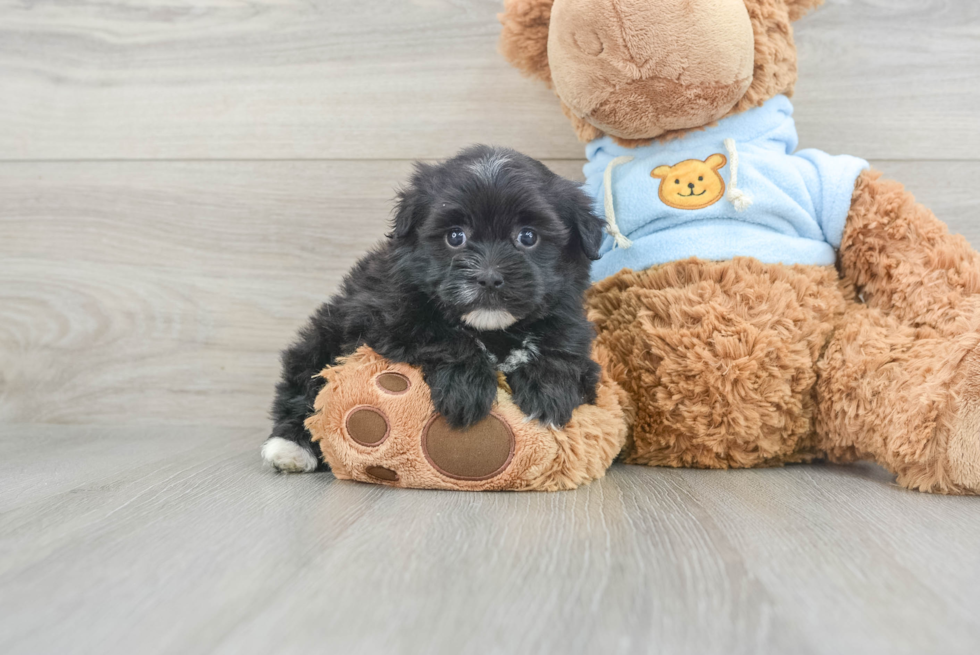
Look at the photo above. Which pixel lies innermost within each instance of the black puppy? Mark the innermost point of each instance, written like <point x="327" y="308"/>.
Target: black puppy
<point x="484" y="271"/>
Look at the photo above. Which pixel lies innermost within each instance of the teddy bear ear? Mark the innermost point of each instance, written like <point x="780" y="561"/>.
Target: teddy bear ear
<point x="524" y="39"/>
<point x="660" y="172"/>
<point x="797" y="8"/>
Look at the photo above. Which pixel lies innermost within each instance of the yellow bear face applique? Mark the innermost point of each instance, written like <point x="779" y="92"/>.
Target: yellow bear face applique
<point x="692" y="184"/>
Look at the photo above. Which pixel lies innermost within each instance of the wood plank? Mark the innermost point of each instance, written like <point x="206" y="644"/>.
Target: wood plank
<point x="201" y="550"/>
<point x="263" y="79"/>
<point x="148" y="293"/>
<point x="397" y="80"/>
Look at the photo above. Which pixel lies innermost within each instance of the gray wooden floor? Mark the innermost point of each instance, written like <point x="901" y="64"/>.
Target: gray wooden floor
<point x="182" y="182"/>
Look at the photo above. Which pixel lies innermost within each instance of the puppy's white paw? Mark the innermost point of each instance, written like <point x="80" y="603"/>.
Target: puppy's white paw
<point x="287" y="456"/>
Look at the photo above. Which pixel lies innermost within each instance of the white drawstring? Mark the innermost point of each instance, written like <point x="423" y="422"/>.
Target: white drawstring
<point x="739" y="199"/>
<point x="618" y="237"/>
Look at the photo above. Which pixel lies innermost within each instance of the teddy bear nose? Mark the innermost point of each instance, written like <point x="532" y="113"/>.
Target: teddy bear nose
<point x="690" y="185"/>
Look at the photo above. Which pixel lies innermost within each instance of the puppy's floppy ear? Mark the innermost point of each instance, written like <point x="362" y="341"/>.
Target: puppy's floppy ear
<point x="413" y="203"/>
<point x="575" y="208"/>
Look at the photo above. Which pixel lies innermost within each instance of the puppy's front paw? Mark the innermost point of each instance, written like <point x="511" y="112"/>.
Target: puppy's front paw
<point x="287" y="456"/>
<point x="547" y="395"/>
<point x="555" y="411"/>
<point x="463" y="394"/>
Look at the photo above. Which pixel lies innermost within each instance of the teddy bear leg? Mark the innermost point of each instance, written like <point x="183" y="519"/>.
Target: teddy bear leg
<point x="904" y="261"/>
<point x="719" y="358"/>
<point x="905" y="397"/>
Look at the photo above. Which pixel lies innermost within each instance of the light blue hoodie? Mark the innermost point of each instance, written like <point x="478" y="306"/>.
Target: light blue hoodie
<point x="784" y="208"/>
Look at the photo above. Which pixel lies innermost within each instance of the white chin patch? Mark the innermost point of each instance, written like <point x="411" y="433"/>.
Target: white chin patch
<point x="489" y="319"/>
<point x="287" y="456"/>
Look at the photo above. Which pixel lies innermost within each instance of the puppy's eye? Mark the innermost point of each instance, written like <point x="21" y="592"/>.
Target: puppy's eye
<point x="527" y="237"/>
<point x="455" y="237"/>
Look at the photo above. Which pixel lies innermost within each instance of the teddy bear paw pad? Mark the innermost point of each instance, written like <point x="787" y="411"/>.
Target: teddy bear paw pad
<point x="393" y="383"/>
<point x="367" y="426"/>
<point x="382" y="473"/>
<point x="480" y="452"/>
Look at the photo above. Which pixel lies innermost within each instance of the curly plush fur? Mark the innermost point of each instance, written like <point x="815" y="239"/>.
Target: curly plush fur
<point x="719" y="358"/>
<point x="901" y="380"/>
<point x="892" y="393"/>
<point x="904" y="260"/>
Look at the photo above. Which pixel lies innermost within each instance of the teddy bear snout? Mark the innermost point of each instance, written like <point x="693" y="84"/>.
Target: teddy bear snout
<point x="620" y="67"/>
<point x="646" y="108"/>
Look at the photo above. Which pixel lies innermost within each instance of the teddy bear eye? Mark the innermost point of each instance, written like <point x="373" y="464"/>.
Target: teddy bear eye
<point x="700" y="178"/>
<point x="677" y="181"/>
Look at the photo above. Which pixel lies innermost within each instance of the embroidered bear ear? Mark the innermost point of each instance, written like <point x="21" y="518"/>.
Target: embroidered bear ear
<point x="660" y="172"/>
<point x="716" y="161"/>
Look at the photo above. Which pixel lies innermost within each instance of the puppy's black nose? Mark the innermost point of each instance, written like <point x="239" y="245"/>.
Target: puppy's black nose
<point x="690" y="185"/>
<point x="490" y="279"/>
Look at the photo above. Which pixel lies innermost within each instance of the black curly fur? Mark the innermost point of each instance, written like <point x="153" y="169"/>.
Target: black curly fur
<point x="405" y="299"/>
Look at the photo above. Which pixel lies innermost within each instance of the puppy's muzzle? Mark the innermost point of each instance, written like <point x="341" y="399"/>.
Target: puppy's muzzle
<point x="490" y="278"/>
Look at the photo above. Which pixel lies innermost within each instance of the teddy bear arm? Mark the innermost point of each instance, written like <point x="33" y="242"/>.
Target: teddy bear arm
<point x="903" y="260"/>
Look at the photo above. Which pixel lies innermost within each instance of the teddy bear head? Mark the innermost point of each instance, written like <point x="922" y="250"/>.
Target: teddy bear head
<point x="640" y="70"/>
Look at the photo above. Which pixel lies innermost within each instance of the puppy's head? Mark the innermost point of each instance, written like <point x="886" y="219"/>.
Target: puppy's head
<point x="494" y="237"/>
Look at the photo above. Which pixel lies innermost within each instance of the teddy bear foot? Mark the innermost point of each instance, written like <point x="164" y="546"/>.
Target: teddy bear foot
<point x="963" y="444"/>
<point x="949" y="461"/>
<point x="375" y="423"/>
<point x="479" y="453"/>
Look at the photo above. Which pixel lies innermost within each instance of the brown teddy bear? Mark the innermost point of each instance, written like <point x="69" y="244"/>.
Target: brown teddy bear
<point x="755" y="305"/>
<point x="812" y="310"/>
